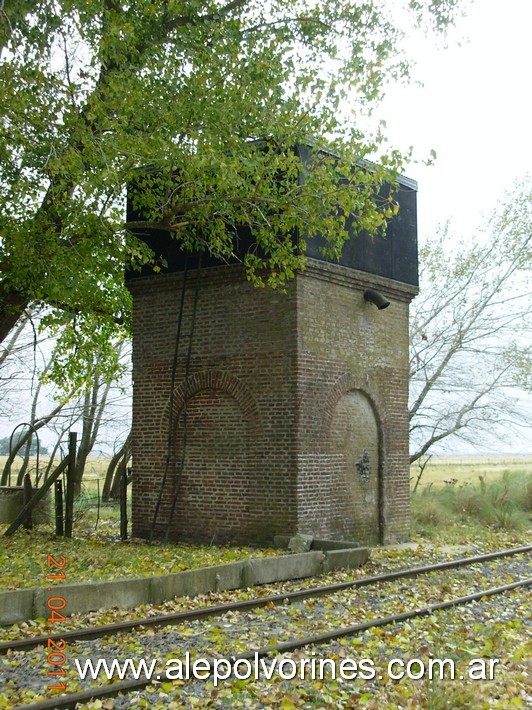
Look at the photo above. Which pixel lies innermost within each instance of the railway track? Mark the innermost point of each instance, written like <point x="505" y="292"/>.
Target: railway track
<point x="218" y="610"/>
<point x="289" y="645"/>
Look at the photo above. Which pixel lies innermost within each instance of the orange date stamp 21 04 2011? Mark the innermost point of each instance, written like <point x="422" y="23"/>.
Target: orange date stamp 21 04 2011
<point x="56" y="648"/>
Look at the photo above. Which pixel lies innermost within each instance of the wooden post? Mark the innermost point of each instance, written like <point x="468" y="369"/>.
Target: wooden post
<point x="98" y="509"/>
<point x="123" y="504"/>
<point x="59" y="519"/>
<point x="71" y="483"/>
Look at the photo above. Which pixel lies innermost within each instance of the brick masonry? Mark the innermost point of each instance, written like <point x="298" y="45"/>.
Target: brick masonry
<point x="296" y="407"/>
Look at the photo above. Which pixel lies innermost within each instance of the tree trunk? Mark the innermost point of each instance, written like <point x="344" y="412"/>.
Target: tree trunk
<point x="116" y="464"/>
<point x="81" y="462"/>
<point x="50" y="464"/>
<point x="25" y="464"/>
<point x="120" y="471"/>
<point x="109" y="476"/>
<point x="37" y="424"/>
<point x="12" y="307"/>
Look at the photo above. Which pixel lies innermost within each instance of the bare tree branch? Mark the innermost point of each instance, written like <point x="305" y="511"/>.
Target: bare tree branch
<point x="470" y="331"/>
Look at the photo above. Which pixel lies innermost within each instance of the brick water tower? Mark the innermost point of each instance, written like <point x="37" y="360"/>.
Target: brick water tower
<point x="283" y="413"/>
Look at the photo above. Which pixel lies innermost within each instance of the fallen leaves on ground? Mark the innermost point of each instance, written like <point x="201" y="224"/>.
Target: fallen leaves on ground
<point x="497" y="627"/>
<point x="90" y="558"/>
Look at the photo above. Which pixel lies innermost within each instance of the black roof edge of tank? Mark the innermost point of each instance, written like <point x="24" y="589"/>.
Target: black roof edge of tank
<point x="402" y="180"/>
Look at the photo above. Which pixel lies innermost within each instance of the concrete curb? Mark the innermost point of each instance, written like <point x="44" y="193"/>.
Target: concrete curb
<point x="24" y="604"/>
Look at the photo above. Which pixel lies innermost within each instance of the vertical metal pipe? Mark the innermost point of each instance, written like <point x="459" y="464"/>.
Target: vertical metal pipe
<point x="123" y="504"/>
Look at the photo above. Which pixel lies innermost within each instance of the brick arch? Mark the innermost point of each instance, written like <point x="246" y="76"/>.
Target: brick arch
<point x="218" y="380"/>
<point x="344" y="384"/>
<point x="354" y="439"/>
<point x="213" y="465"/>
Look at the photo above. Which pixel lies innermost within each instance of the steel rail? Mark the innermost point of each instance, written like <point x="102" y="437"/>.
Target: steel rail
<point x="257" y="602"/>
<point x="59" y="702"/>
<point x="294" y="644"/>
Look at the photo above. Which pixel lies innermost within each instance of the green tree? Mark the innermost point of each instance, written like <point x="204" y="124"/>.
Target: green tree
<point x="93" y="90"/>
<point x="471" y="330"/>
<point x="96" y="411"/>
<point x="4" y="446"/>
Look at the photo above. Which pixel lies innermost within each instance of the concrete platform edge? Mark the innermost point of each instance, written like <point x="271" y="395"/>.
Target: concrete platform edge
<point x="25" y="604"/>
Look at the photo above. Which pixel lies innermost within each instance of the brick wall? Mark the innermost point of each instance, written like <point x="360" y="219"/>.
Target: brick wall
<point x="296" y="407"/>
<point x="353" y="398"/>
<point x="240" y="401"/>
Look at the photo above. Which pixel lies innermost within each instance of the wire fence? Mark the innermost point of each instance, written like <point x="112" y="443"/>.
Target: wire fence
<point x="474" y="460"/>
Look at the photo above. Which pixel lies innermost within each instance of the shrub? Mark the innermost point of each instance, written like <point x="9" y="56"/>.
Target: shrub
<point x="428" y="515"/>
<point x="469" y="502"/>
<point x="527" y="497"/>
<point x="504" y="504"/>
<point x="508" y="518"/>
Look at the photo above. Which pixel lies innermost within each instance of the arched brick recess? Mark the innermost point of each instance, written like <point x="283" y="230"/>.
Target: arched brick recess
<point x="217" y="380"/>
<point x="353" y="441"/>
<point x="214" y="497"/>
<point x="344" y="384"/>
<point x="334" y="501"/>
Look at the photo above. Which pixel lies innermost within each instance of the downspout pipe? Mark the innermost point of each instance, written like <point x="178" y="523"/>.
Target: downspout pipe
<point x="375" y="297"/>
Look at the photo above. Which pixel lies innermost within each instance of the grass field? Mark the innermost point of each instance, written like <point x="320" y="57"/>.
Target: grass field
<point x="438" y="470"/>
<point x="95" y="469"/>
<point x="467" y="469"/>
<point x="477" y="496"/>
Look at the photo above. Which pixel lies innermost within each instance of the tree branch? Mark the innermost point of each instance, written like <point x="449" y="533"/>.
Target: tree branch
<point x="173" y="23"/>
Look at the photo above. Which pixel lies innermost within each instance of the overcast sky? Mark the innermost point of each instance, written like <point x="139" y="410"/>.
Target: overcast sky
<point x="474" y="110"/>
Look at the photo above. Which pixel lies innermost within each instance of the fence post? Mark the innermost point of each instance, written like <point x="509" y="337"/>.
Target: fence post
<point x="98" y="511"/>
<point x="71" y="482"/>
<point x="59" y="519"/>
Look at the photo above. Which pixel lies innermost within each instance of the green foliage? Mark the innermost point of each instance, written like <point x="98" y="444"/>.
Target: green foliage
<point x="5" y="441"/>
<point x="87" y="350"/>
<point x="93" y="90"/>
<point x="429" y="516"/>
